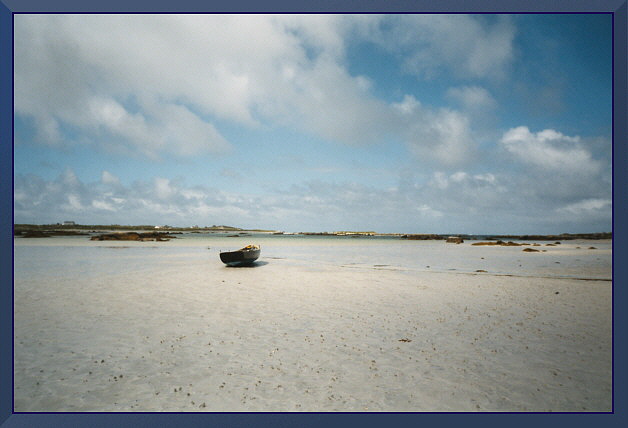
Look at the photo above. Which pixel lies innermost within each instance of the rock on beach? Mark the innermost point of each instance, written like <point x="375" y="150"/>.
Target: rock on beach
<point x="502" y="243"/>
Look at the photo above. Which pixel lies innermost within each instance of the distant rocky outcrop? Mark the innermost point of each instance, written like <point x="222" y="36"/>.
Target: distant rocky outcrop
<point x="33" y="234"/>
<point x="499" y="242"/>
<point x="424" y="237"/>
<point x="455" y="240"/>
<point x="564" y="236"/>
<point x="133" y="236"/>
<point x="46" y="233"/>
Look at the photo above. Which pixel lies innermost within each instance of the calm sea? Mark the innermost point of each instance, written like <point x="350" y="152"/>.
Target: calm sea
<point x="70" y="256"/>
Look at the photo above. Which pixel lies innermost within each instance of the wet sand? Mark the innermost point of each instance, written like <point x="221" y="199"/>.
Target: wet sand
<point x="155" y="330"/>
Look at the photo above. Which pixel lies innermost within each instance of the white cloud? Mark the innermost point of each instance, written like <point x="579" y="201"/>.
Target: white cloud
<point x="472" y="98"/>
<point x="461" y="44"/>
<point x="588" y="206"/>
<point x="440" y="180"/>
<point x="443" y="135"/>
<point x="74" y="202"/>
<point x="465" y="187"/>
<point x="445" y="203"/>
<point x="157" y="85"/>
<point x="69" y="179"/>
<point x="109" y="178"/>
<point x="550" y="150"/>
<point x="48" y="129"/>
<point x="487" y="178"/>
<point x="163" y="189"/>
<point x="594" y="211"/>
<point x="428" y="211"/>
<point x="459" y="176"/>
<point x="183" y="133"/>
<point x="409" y="105"/>
<point x="103" y="205"/>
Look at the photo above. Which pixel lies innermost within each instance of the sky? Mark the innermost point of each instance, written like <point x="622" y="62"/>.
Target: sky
<point x="400" y="123"/>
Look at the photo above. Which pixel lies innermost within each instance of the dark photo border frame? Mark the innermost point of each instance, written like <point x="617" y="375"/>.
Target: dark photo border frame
<point x="617" y="417"/>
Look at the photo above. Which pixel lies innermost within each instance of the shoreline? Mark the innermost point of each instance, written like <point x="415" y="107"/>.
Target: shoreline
<point x="39" y="231"/>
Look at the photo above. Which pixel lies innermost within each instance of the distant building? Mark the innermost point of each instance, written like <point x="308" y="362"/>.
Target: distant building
<point x="69" y="223"/>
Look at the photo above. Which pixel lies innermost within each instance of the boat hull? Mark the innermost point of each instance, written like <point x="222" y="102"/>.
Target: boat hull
<point x="240" y="257"/>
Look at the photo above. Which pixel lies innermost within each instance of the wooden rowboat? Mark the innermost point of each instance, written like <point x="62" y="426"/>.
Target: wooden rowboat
<point x="242" y="257"/>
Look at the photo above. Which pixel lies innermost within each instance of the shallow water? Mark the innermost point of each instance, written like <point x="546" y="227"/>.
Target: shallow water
<point x="570" y="259"/>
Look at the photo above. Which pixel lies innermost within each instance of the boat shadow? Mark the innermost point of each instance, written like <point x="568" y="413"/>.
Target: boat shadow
<point x="256" y="263"/>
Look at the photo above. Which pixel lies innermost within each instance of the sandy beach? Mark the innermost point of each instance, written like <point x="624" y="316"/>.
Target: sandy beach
<point x="356" y="326"/>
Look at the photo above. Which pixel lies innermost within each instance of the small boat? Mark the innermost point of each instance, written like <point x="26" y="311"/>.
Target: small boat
<point x="242" y="257"/>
